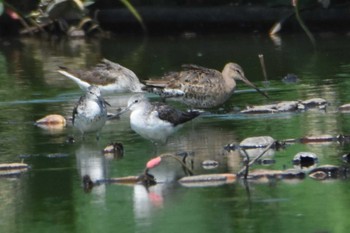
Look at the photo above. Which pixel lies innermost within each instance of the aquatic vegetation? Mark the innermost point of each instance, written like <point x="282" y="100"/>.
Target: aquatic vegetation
<point x="63" y="17"/>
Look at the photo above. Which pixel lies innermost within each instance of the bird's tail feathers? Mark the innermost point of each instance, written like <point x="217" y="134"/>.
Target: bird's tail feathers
<point x="187" y="116"/>
<point x="82" y="84"/>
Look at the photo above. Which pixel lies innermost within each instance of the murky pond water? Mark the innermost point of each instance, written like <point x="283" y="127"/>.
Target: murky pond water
<point x="50" y="198"/>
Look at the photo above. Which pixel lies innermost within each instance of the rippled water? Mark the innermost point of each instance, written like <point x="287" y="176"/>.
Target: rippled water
<point x="50" y="198"/>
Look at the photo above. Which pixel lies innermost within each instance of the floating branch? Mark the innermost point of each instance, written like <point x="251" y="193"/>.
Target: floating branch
<point x="263" y="67"/>
<point x="246" y="168"/>
<point x="208" y="180"/>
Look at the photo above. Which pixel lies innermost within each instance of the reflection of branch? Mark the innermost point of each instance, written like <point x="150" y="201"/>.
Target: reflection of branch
<point x="157" y="160"/>
<point x="19" y="14"/>
<point x="246" y="168"/>
<point x="135" y="13"/>
<point x="300" y="21"/>
<point x="246" y="185"/>
<point x="148" y="179"/>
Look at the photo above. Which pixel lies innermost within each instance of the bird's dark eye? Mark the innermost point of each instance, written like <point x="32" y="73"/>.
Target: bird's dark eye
<point x="240" y="72"/>
<point x="136" y="101"/>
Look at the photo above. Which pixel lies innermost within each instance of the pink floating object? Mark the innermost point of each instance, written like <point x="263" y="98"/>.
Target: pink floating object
<point x="12" y="14"/>
<point x="153" y="162"/>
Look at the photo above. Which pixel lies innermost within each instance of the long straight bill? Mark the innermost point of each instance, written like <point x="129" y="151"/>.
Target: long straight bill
<point x="246" y="81"/>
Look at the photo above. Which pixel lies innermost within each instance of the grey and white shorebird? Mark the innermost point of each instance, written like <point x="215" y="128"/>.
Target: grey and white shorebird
<point x="90" y="113"/>
<point x="110" y="77"/>
<point x="156" y="121"/>
<point x="200" y="87"/>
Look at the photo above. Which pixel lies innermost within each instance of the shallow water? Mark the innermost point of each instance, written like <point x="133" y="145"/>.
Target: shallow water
<point x="50" y="198"/>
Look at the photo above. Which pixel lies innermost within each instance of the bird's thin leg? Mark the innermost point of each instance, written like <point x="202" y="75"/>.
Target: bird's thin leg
<point x="155" y="148"/>
<point x="184" y="158"/>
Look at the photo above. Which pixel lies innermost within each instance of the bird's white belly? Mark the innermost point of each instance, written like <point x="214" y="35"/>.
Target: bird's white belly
<point x="92" y="120"/>
<point x="89" y="125"/>
<point x="121" y="85"/>
<point x="151" y="127"/>
<point x="113" y="88"/>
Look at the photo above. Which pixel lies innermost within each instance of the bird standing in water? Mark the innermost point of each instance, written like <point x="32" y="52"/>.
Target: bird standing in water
<point x="200" y="87"/>
<point x="110" y="77"/>
<point x="90" y="113"/>
<point x="156" y="121"/>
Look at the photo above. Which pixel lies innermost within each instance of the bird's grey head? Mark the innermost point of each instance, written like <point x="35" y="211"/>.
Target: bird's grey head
<point x="233" y="70"/>
<point x="136" y="100"/>
<point x="93" y="92"/>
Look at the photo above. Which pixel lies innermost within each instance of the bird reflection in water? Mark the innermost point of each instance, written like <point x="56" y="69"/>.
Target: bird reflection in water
<point x="91" y="163"/>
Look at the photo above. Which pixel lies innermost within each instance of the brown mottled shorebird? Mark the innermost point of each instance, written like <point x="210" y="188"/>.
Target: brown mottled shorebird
<point x="200" y="87"/>
<point x="156" y="121"/>
<point x="110" y="77"/>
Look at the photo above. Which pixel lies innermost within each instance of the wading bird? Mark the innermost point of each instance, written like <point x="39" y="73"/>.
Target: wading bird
<point x="154" y="120"/>
<point x="200" y="87"/>
<point x="110" y="77"/>
<point x="90" y="113"/>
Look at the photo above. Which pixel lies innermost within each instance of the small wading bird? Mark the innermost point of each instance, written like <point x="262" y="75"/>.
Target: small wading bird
<point x="90" y="113"/>
<point x="200" y="87"/>
<point x="110" y="77"/>
<point x="155" y="121"/>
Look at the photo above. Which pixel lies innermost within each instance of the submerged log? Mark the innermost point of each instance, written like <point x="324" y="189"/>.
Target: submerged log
<point x="265" y="174"/>
<point x="10" y="169"/>
<point x="284" y="106"/>
<point x="208" y="180"/>
<point x="254" y="146"/>
<point x="287" y="106"/>
<point x="145" y="179"/>
<point x="256" y="142"/>
<point x="318" y="139"/>
<point x="329" y="172"/>
<point x="314" y="102"/>
<point x="260" y="109"/>
<point x="326" y="138"/>
<point x="121" y="180"/>
<point x="11" y="166"/>
<point x="88" y="184"/>
<point x="345" y="108"/>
